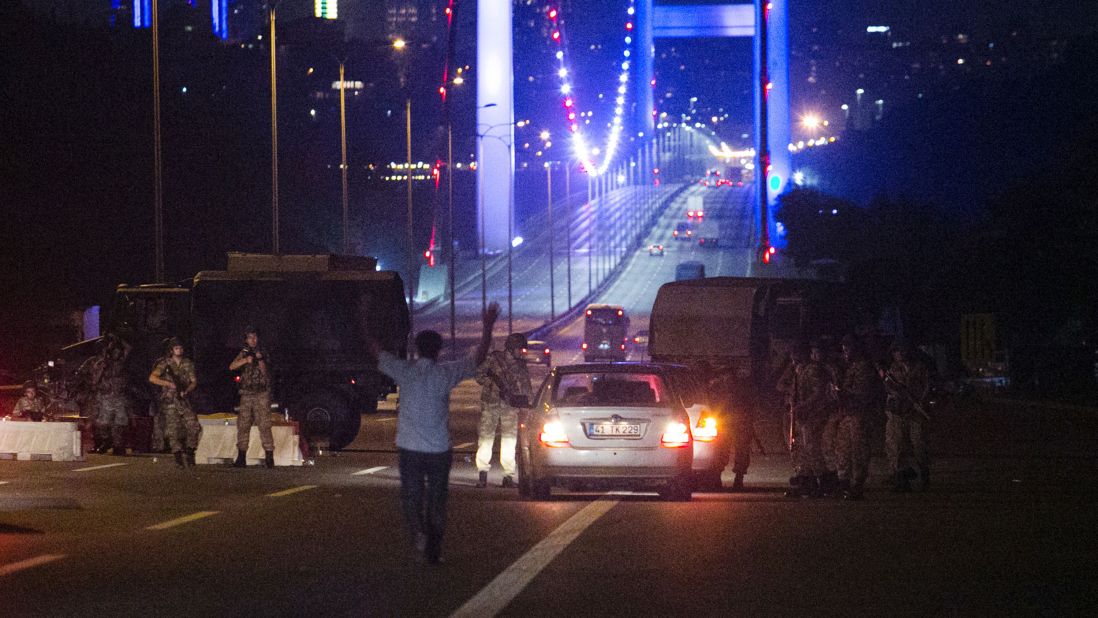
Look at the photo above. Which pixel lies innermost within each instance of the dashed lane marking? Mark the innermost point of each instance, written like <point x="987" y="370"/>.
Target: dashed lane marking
<point x="179" y="521"/>
<point x="14" y="567"/>
<point x="369" y="471"/>
<point x="386" y="420"/>
<point x="465" y="445"/>
<point x="290" y="491"/>
<point x="4" y="482"/>
<point x="102" y="467"/>
<point x="507" y="585"/>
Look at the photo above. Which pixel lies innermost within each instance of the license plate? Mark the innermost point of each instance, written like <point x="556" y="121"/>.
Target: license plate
<point x="615" y="429"/>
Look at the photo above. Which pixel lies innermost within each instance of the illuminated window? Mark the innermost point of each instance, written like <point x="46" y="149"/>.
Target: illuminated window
<point x="326" y="9"/>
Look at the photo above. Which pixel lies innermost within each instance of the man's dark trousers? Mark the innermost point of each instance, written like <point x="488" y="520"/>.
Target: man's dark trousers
<point x="425" y="511"/>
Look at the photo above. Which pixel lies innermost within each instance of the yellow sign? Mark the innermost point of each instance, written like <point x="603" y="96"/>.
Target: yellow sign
<point x="977" y="339"/>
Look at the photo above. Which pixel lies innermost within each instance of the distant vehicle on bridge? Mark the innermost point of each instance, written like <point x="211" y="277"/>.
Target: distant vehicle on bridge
<point x="708" y="234"/>
<point x="689" y="270"/>
<point x="604" y="329"/>
<point x="683" y="231"/>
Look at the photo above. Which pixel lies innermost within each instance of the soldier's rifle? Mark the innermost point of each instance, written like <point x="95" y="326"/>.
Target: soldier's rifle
<point x="899" y="388"/>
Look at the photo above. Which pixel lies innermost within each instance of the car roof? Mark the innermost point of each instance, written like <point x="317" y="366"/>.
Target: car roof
<point x="624" y="367"/>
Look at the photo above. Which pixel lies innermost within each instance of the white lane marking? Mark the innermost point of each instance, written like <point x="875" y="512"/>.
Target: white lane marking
<point x="104" y="466"/>
<point x="508" y="584"/>
<point x="8" y="569"/>
<point x="4" y="482"/>
<point x="292" y="490"/>
<point x="369" y="470"/>
<point x="465" y="445"/>
<point x="178" y="521"/>
<point x="386" y="420"/>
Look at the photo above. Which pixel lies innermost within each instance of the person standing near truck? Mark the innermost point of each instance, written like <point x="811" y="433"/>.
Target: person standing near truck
<point x="32" y="405"/>
<point x="907" y="383"/>
<point x="176" y="377"/>
<point x="859" y="390"/>
<point x="502" y="376"/>
<point x="809" y="410"/>
<point x="255" y="399"/>
<point x="108" y="382"/>
<point x="423" y="431"/>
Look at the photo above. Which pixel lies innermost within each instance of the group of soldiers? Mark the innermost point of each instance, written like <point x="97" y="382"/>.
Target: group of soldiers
<point x="108" y="399"/>
<point x="833" y="401"/>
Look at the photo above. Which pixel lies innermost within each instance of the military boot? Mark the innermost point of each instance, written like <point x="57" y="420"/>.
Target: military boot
<point x="737" y="482"/>
<point x="482" y="479"/>
<point x="900" y="482"/>
<point x="829" y="483"/>
<point x="268" y="459"/>
<point x="795" y="487"/>
<point x="241" y="460"/>
<point x="813" y="487"/>
<point x="119" y="451"/>
<point x="179" y="460"/>
<point x="508" y="482"/>
<point x="854" y="492"/>
<point x="190" y="457"/>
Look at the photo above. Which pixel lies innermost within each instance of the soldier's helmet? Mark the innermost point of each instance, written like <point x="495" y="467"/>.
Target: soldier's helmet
<point x="170" y="343"/>
<point x="30" y="384"/>
<point x="515" y="341"/>
<point x="800" y="351"/>
<point x="900" y="345"/>
<point x="251" y="330"/>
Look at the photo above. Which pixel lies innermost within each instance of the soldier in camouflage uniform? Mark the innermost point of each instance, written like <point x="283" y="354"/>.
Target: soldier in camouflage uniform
<point x="255" y="399"/>
<point x="502" y="376"/>
<point x="907" y="384"/>
<point x="859" y="388"/>
<point x="177" y="379"/>
<point x="31" y="406"/>
<point x="821" y="354"/>
<point x="810" y="395"/>
<point x="107" y="376"/>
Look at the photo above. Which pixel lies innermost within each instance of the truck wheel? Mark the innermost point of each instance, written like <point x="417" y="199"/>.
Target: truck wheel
<point x="327" y="417"/>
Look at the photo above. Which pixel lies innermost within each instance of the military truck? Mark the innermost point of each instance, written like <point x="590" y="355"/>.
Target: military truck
<point x="741" y="323"/>
<point x="313" y="314"/>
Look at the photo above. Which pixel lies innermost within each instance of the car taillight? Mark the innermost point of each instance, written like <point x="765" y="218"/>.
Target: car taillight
<point x="675" y="233"/>
<point x="552" y="434"/>
<point x="706" y="431"/>
<point x="623" y="346"/>
<point x="584" y="346"/>
<point x="545" y="351"/>
<point x="676" y="435"/>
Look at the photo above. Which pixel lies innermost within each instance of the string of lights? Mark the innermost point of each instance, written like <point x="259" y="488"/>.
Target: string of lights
<point x="585" y="153"/>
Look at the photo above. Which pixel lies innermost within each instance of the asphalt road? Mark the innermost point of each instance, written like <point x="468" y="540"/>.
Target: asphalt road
<point x="1006" y="528"/>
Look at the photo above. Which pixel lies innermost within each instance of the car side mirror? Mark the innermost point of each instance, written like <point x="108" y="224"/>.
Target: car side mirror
<point x="519" y="401"/>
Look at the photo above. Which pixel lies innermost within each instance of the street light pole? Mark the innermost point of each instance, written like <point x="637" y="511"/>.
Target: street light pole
<point x="274" y="133"/>
<point x="158" y="175"/>
<point x="450" y="226"/>
<point x="411" y="239"/>
<point x="552" y="285"/>
<point x="590" y="239"/>
<point x="568" y="226"/>
<point x="343" y="159"/>
<point x="510" y="245"/>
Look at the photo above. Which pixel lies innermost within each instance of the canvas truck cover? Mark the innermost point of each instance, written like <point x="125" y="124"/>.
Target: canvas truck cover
<point x="703" y="318"/>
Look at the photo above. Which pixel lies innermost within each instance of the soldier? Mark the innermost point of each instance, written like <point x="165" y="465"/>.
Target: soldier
<point x="32" y="405"/>
<point x="502" y="376"/>
<point x="809" y="409"/>
<point x="737" y="398"/>
<point x="821" y="355"/>
<point x="176" y="377"/>
<point x="859" y="390"/>
<point x="907" y="384"/>
<point x="107" y="376"/>
<point x="255" y="399"/>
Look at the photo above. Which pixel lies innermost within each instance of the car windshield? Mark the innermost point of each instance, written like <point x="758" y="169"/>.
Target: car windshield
<point x="610" y="389"/>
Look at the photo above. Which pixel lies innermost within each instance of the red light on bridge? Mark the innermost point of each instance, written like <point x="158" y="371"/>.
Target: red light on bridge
<point x="552" y="13"/>
<point x="556" y="35"/>
<point x="628" y="25"/>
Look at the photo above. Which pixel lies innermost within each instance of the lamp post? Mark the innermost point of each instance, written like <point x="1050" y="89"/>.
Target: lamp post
<point x="399" y="45"/>
<point x="343" y="158"/>
<point x="552" y="286"/>
<point x="274" y="130"/>
<point x="158" y="176"/>
<point x="568" y="226"/>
